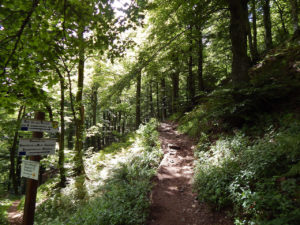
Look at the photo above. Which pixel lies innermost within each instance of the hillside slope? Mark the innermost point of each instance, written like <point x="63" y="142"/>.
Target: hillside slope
<point x="248" y="153"/>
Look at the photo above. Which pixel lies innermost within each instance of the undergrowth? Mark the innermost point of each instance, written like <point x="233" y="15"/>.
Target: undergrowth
<point x="248" y="154"/>
<point x="122" y="198"/>
<point x="247" y="161"/>
<point x="259" y="178"/>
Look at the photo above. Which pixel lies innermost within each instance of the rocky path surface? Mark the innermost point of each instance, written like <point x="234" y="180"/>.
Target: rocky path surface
<point x="172" y="199"/>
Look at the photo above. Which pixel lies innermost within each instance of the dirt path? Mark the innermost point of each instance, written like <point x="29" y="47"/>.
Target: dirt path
<point x="14" y="216"/>
<point x="172" y="199"/>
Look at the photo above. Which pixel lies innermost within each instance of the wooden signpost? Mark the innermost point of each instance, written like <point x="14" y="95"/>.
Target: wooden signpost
<point x="34" y="147"/>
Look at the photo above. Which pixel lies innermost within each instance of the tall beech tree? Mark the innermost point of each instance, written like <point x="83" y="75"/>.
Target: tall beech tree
<point x="138" y="100"/>
<point x="254" y="28"/>
<point x="295" y="16"/>
<point x="238" y="35"/>
<point x="267" y="24"/>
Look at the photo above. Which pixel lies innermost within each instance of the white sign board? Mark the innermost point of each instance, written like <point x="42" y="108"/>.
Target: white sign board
<point x="39" y="126"/>
<point x="30" y="169"/>
<point x="37" y="146"/>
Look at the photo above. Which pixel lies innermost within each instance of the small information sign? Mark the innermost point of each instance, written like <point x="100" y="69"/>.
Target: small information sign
<point x="37" y="146"/>
<point x="39" y="126"/>
<point x="30" y="169"/>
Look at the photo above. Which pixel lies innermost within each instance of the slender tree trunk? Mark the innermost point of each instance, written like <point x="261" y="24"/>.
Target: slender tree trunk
<point x="79" y="119"/>
<point x="138" y="101"/>
<point x="104" y="129"/>
<point x="254" y="24"/>
<point x="295" y="16"/>
<point x="12" y="171"/>
<point x="123" y="124"/>
<point x="61" y="153"/>
<point x="94" y="113"/>
<point x="238" y="35"/>
<point x="200" y="60"/>
<point x="280" y="11"/>
<point x="164" y="99"/>
<point x="191" y="79"/>
<point x="175" y="91"/>
<point x="250" y="41"/>
<point x="157" y="101"/>
<point x="119" y="122"/>
<point x="151" y="100"/>
<point x="70" y="136"/>
<point x="267" y="24"/>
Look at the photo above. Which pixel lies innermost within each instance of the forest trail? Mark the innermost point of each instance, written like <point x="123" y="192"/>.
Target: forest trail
<point x="14" y="216"/>
<point x="172" y="199"/>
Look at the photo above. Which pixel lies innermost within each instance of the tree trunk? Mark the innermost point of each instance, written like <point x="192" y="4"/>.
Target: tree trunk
<point x="119" y="122"/>
<point x="151" y="100"/>
<point x="138" y="101"/>
<point x="104" y="129"/>
<point x="191" y="79"/>
<point x="70" y="136"/>
<point x="254" y="24"/>
<point x="61" y="153"/>
<point x="12" y="171"/>
<point x="157" y="101"/>
<point x="94" y="113"/>
<point x="200" y="61"/>
<point x="175" y="91"/>
<point x="238" y="36"/>
<point x="79" y="119"/>
<point x="164" y="99"/>
<point x="123" y="124"/>
<point x="295" y="16"/>
<point x="280" y="11"/>
<point x="267" y="24"/>
<point x="250" y="41"/>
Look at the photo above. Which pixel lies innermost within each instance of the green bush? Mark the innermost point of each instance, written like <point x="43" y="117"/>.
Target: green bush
<point x="123" y="199"/>
<point x="258" y="178"/>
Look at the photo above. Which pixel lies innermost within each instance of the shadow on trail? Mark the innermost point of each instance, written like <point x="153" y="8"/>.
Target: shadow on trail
<point x="172" y="199"/>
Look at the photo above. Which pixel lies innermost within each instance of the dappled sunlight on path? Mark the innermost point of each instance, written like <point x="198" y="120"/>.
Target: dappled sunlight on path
<point x="172" y="199"/>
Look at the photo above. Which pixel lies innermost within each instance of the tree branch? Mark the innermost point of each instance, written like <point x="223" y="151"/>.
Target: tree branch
<point x="19" y="34"/>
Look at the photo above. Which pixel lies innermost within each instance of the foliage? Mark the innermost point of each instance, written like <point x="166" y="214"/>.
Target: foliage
<point x="253" y="176"/>
<point x="123" y="198"/>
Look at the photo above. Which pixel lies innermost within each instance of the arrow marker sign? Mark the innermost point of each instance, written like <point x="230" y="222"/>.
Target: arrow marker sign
<point x="39" y="126"/>
<point x="37" y="146"/>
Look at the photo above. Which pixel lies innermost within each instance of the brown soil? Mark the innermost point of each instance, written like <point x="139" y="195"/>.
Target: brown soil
<point x="172" y="199"/>
<point x="14" y="216"/>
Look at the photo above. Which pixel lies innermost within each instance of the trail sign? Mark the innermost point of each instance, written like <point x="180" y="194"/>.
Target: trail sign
<point x="37" y="146"/>
<point x="30" y="169"/>
<point x="39" y="126"/>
